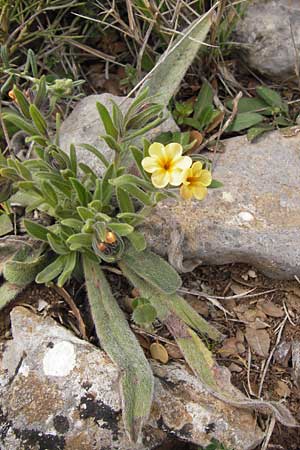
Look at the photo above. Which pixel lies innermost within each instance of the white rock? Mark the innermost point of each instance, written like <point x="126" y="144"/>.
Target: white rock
<point x="66" y="406"/>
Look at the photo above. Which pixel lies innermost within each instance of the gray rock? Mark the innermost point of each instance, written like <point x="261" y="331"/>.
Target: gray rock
<point x="58" y="392"/>
<point x="254" y="218"/>
<point x="83" y="126"/>
<point x="270" y="34"/>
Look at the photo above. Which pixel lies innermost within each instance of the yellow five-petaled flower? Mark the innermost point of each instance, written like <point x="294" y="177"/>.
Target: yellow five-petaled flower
<point x="195" y="181"/>
<point x="166" y="164"/>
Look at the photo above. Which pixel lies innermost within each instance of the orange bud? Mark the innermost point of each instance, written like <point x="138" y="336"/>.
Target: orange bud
<point x="110" y="237"/>
<point x="12" y="95"/>
<point x="101" y="246"/>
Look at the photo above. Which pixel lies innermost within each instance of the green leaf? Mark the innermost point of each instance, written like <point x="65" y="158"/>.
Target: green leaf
<point x="137" y="240"/>
<point x="166" y="304"/>
<point x="254" y="104"/>
<point x="20" y="123"/>
<point x="204" y="100"/>
<point x="112" y="143"/>
<point x="215" y="184"/>
<point x="154" y="270"/>
<point x="122" y="229"/>
<point x="83" y="195"/>
<point x="132" y="179"/>
<point x="70" y="264"/>
<point x="49" y="193"/>
<point x="80" y="240"/>
<point x="124" y="201"/>
<point x="138" y="157"/>
<point x="254" y="132"/>
<point x="120" y="344"/>
<point x="85" y="213"/>
<point x="22" y="102"/>
<point x="166" y="76"/>
<point x="41" y="94"/>
<point x="51" y="271"/>
<point x="244" y="121"/>
<point x="38" y="120"/>
<point x="138" y="301"/>
<point x="73" y="159"/>
<point x="118" y="118"/>
<point x="57" y="244"/>
<point x="73" y="223"/>
<point x="272" y="98"/>
<point x="8" y="292"/>
<point x="25" y="265"/>
<point x="6" y="225"/>
<point x="107" y="122"/>
<point x="106" y="187"/>
<point x="36" y="230"/>
<point x="138" y="194"/>
<point x="144" y="314"/>
<point x="96" y="152"/>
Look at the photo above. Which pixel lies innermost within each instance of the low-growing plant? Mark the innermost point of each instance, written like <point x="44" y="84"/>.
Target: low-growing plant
<point x="94" y="222"/>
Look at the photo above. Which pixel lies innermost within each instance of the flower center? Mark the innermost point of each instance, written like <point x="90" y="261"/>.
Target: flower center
<point x="167" y="164"/>
<point x="192" y="180"/>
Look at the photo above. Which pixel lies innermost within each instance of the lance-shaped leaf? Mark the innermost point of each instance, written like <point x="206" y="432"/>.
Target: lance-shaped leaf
<point x="165" y="77"/>
<point x="164" y="304"/>
<point x="6" y="225"/>
<point x="214" y="378"/>
<point x="8" y="292"/>
<point x="154" y="270"/>
<point x="118" y="341"/>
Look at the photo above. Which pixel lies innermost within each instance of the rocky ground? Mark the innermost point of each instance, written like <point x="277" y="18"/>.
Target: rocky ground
<point x="59" y="391"/>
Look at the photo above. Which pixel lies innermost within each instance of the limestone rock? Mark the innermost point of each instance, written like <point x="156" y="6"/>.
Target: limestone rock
<point x="270" y="34"/>
<point x="84" y="126"/>
<point x="254" y="218"/>
<point x="61" y="393"/>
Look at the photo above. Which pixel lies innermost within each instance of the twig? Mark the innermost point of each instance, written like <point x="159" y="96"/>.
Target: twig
<point x="228" y="122"/>
<point x="271" y="426"/>
<point x="229" y="297"/>
<point x="211" y="299"/>
<point x="280" y="330"/>
<point x="68" y="299"/>
<point x="288" y="314"/>
<point x="248" y="372"/>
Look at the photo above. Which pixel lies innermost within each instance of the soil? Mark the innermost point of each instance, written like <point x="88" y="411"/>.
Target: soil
<point x="252" y="292"/>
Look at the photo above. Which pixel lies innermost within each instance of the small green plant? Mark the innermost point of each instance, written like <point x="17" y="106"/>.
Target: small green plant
<point x="215" y="445"/>
<point x="94" y="222"/>
<point x="265" y="112"/>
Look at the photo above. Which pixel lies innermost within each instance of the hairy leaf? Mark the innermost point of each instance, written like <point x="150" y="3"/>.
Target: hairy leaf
<point x="121" y="345"/>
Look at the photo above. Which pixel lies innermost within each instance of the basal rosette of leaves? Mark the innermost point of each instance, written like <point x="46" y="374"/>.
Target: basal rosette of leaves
<point x="95" y="221"/>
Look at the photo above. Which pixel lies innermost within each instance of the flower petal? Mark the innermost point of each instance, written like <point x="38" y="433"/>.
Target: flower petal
<point x="186" y="192"/>
<point x="176" y="177"/>
<point x="199" y="192"/>
<point x="184" y="162"/>
<point x="173" y="150"/>
<point x="197" y="169"/>
<point x="205" y="178"/>
<point x="156" y="150"/>
<point x="150" y="164"/>
<point x="160" y="178"/>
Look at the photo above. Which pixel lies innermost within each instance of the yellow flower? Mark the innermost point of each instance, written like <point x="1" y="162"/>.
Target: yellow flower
<point x="166" y="164"/>
<point x="195" y="182"/>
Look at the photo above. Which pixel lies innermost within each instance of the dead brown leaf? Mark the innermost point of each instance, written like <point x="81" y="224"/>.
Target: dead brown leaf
<point x="282" y="389"/>
<point x="159" y="352"/>
<point x="174" y="351"/>
<point x="271" y="309"/>
<point x="259" y="341"/>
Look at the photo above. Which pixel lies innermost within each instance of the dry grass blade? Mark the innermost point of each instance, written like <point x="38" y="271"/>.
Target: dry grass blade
<point x="68" y="299"/>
